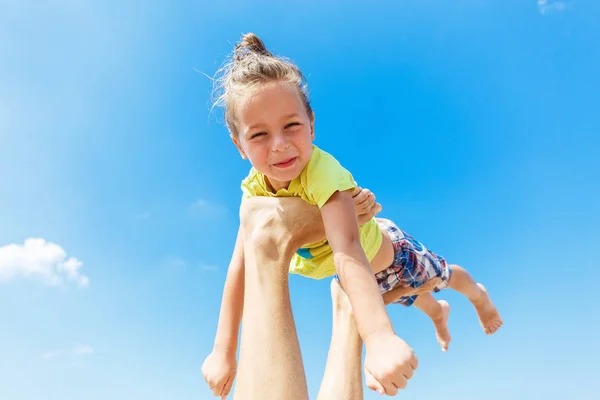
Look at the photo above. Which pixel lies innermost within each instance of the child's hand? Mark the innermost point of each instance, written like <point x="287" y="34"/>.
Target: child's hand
<point x="389" y="363"/>
<point x="219" y="372"/>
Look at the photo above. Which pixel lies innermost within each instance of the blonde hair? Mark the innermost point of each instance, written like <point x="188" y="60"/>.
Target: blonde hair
<point x="251" y="65"/>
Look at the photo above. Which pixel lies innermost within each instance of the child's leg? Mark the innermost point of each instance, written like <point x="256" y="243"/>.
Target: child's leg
<point x="343" y="373"/>
<point x="405" y="291"/>
<point x="438" y="311"/>
<point x="416" y="269"/>
<point x="407" y="281"/>
<point x="462" y="282"/>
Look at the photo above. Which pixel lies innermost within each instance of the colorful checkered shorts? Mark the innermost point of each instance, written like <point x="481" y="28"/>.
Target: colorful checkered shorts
<point x="413" y="264"/>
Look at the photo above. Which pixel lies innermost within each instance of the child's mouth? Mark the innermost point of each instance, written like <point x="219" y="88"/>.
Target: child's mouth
<point x="285" y="163"/>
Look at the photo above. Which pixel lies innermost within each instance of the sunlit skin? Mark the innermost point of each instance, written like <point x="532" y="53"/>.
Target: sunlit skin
<point x="276" y="133"/>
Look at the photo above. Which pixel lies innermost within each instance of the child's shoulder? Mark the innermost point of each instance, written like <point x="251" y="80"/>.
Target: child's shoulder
<point x="323" y="164"/>
<point x="324" y="175"/>
<point x="253" y="175"/>
<point x="253" y="184"/>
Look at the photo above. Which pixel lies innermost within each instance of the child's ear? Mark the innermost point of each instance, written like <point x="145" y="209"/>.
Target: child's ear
<point x="312" y="126"/>
<point x="238" y="146"/>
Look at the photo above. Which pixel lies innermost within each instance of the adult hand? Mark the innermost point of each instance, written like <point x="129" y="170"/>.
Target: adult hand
<point x="365" y="205"/>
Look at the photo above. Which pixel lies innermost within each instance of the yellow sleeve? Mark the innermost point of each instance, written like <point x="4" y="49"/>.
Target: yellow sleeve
<point x="250" y="186"/>
<point x="325" y="176"/>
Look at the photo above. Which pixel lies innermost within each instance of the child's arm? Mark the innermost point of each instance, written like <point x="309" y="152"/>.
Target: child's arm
<point x="389" y="360"/>
<point x="232" y="302"/>
<point x="352" y="265"/>
<point x="220" y="366"/>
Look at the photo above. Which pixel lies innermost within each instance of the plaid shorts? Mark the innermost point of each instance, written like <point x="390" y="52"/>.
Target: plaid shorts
<point x="413" y="264"/>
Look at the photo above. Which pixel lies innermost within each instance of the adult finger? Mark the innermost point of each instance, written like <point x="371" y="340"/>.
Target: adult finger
<point x="370" y="196"/>
<point x="356" y="191"/>
<point x="361" y="197"/>
<point x="364" y="204"/>
<point x="377" y="208"/>
<point x="374" y="210"/>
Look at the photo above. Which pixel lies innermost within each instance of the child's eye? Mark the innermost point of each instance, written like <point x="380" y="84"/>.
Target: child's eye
<point x="292" y="124"/>
<point x="254" y="135"/>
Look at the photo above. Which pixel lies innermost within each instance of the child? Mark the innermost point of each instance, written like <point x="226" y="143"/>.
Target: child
<point x="271" y="123"/>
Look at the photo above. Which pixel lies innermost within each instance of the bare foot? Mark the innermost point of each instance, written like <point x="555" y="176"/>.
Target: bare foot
<point x="488" y="315"/>
<point x="441" y="326"/>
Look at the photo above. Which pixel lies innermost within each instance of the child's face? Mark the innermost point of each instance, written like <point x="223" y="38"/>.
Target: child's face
<point x="275" y="132"/>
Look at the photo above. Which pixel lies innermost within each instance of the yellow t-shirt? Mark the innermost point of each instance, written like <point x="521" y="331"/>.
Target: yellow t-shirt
<point x="317" y="182"/>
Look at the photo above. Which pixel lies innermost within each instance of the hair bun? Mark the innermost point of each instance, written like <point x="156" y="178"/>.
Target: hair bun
<point x="250" y="43"/>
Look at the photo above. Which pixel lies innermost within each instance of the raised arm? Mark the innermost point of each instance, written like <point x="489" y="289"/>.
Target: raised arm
<point x="219" y="368"/>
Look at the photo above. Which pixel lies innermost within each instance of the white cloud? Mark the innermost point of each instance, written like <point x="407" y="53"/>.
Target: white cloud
<point x="207" y="208"/>
<point x="76" y="351"/>
<point x="49" y="355"/>
<point x="41" y="260"/>
<point x="210" y="268"/>
<point x="174" y="264"/>
<point x="81" y="350"/>
<point x="546" y="6"/>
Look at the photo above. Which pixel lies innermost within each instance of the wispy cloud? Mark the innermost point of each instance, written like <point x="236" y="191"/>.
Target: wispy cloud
<point x="206" y="208"/>
<point x="41" y="260"/>
<point x="546" y="6"/>
<point x="174" y="264"/>
<point x="82" y="351"/>
<point x="49" y="355"/>
<point x="76" y="351"/>
<point x="210" y="268"/>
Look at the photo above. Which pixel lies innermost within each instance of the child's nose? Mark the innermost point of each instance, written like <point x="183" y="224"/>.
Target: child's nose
<point x="280" y="142"/>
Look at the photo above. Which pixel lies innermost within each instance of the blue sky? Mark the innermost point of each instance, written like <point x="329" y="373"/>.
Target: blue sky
<point x="474" y="122"/>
